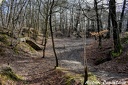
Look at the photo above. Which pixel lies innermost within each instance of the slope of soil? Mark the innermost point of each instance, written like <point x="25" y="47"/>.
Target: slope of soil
<point x="108" y="70"/>
<point x="28" y="63"/>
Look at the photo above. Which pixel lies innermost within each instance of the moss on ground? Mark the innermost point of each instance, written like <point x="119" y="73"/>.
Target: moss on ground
<point x="4" y="38"/>
<point x="2" y="52"/>
<point x="7" y="75"/>
<point x="27" y="47"/>
<point x="92" y="79"/>
<point x="71" y="78"/>
<point x="16" y="50"/>
<point x="124" y="40"/>
<point x="116" y="54"/>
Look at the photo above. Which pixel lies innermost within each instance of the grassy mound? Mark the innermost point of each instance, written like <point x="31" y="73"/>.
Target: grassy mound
<point x="8" y="76"/>
<point x="4" y="39"/>
<point x="78" y="79"/>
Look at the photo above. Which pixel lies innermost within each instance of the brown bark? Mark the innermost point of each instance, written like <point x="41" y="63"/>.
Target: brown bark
<point x="45" y="36"/>
<point x="121" y="17"/>
<point x="98" y="22"/>
<point x="109" y="24"/>
<point x="50" y="24"/>
<point x="116" y="38"/>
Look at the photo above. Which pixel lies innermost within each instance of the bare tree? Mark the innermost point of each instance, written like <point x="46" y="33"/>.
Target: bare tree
<point x="50" y="24"/>
<point x="109" y="24"/>
<point x="98" y="24"/>
<point x="45" y="15"/>
<point x="116" y="38"/>
<point x="121" y="16"/>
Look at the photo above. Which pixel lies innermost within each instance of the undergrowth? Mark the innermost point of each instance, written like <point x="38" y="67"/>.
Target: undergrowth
<point x="4" y="39"/>
<point x="78" y="79"/>
<point x="7" y="74"/>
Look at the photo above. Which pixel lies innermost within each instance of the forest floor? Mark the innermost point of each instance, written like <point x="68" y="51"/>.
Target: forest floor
<point x="36" y="70"/>
<point x="108" y="70"/>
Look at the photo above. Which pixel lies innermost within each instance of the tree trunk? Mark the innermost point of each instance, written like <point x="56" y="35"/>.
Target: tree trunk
<point x="121" y="17"/>
<point x="10" y="13"/>
<point x="77" y="22"/>
<point x="50" y="24"/>
<point x="98" y="24"/>
<point x="2" y="19"/>
<point x="116" y="38"/>
<point x="46" y="29"/>
<point x="109" y="24"/>
<point x="127" y="25"/>
<point x="45" y="36"/>
<point x="85" y="60"/>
